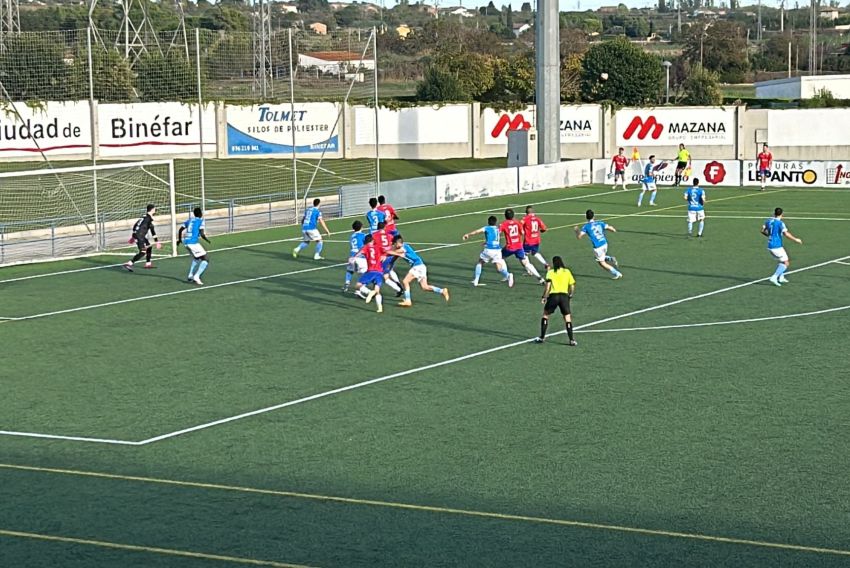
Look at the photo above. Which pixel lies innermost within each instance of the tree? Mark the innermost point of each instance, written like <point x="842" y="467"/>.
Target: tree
<point x="636" y="27"/>
<point x="169" y="77"/>
<point x="509" y="20"/>
<point x="225" y="18"/>
<point x="439" y="85"/>
<point x="702" y="88"/>
<point x="633" y="76"/>
<point x="113" y="78"/>
<point x="231" y="55"/>
<point x="525" y="8"/>
<point x="34" y="68"/>
<point x="571" y="69"/>
<point x="513" y="79"/>
<point x="720" y="47"/>
<point x="348" y="16"/>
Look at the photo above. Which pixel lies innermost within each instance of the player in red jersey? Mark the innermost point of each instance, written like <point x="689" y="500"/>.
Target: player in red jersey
<point x="383" y="242"/>
<point x="532" y="228"/>
<point x="374" y="273"/>
<point x="618" y="167"/>
<point x="512" y="229"/>
<point x="390" y="215"/>
<point x="765" y="163"/>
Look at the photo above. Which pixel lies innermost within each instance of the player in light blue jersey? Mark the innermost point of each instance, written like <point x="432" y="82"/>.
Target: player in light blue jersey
<point x="774" y="229"/>
<point x="193" y="229"/>
<point x="374" y="216"/>
<point x="648" y="182"/>
<point x="595" y="230"/>
<point x="696" y="198"/>
<point x="310" y="228"/>
<point x="418" y="271"/>
<point x="492" y="252"/>
<point x="356" y="264"/>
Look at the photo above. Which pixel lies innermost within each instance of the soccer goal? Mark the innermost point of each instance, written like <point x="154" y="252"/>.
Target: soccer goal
<point x="53" y="213"/>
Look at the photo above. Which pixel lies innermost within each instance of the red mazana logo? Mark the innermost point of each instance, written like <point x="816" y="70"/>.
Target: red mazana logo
<point x="506" y="123"/>
<point x="642" y="127"/>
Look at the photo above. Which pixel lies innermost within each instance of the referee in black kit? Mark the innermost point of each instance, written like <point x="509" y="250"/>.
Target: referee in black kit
<point x="560" y="287"/>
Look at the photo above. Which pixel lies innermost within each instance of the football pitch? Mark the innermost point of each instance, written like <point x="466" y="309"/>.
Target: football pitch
<point x="267" y="419"/>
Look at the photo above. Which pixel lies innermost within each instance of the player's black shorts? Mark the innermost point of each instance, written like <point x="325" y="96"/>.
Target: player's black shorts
<point x="619" y="173"/>
<point x="557" y="302"/>
<point x="143" y="244"/>
<point x="682" y="166"/>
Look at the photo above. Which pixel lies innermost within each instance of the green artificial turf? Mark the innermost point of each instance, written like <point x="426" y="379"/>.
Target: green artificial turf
<point x="735" y="431"/>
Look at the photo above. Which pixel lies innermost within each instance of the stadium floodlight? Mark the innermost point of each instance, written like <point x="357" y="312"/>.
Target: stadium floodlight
<point x="667" y="66"/>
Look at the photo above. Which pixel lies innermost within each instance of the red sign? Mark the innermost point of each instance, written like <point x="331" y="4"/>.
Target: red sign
<point x="506" y="123"/>
<point x="643" y="128"/>
<point x="714" y="172"/>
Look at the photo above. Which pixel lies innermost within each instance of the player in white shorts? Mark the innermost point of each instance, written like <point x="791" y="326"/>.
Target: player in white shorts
<point x="695" y="198"/>
<point x="310" y="229"/>
<point x="774" y="229"/>
<point x="492" y="252"/>
<point x="418" y="271"/>
<point x="193" y="228"/>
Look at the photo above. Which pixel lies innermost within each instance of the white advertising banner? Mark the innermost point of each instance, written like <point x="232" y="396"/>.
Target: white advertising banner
<point x="57" y="129"/>
<point x="474" y="185"/>
<point x="710" y="126"/>
<point x="837" y="175"/>
<point x="711" y="173"/>
<point x="808" y="127"/>
<point x="579" y="124"/>
<point x="788" y="174"/>
<point x="150" y="129"/>
<point x="267" y="129"/>
<point x="551" y="176"/>
<point x="447" y="124"/>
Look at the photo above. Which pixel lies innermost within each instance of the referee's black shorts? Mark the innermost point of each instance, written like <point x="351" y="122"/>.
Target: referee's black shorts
<point x="557" y="302"/>
<point x="682" y="166"/>
<point x="143" y="244"/>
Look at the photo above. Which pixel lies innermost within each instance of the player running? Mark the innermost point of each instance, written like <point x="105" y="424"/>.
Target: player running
<point x="595" y="230"/>
<point x="418" y="271"/>
<point x="684" y="163"/>
<point x="194" y="228"/>
<point x="492" y="252"/>
<point x="532" y="228"/>
<point x="560" y="287"/>
<point x="384" y="243"/>
<point x="356" y="264"/>
<point x="695" y="197"/>
<point x="512" y="229"/>
<point x="648" y="182"/>
<point x="140" y="238"/>
<point x="373" y="216"/>
<point x="618" y="167"/>
<point x="310" y="229"/>
<point x="374" y="274"/>
<point x="390" y="216"/>
<point x="774" y="229"/>
<point x="765" y="164"/>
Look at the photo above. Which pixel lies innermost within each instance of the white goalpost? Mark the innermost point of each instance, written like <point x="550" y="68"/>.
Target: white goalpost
<point x="53" y="213"/>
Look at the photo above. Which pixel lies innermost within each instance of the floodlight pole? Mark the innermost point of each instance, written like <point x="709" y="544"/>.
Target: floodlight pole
<point x="667" y="66"/>
<point x="548" y="82"/>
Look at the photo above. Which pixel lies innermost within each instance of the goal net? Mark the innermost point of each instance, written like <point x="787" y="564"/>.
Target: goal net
<point x="53" y="213"/>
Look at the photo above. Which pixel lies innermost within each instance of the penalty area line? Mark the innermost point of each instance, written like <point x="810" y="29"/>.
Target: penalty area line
<point x="455" y="360"/>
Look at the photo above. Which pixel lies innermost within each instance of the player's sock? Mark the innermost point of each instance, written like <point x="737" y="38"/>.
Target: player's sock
<point x="407" y="295"/>
<point x="478" y="273"/>
<point x="570" y="330"/>
<point x="652" y="198"/>
<point x="614" y="271"/>
<point x="348" y="275"/>
<point x="640" y="198"/>
<point x="319" y="246"/>
<point x="201" y="268"/>
<point x="544" y="325"/>
<point x="701" y="226"/>
<point x="436" y="290"/>
<point x="193" y="267"/>
<point x="393" y="285"/>
<point x="148" y="254"/>
<point x="364" y="291"/>
<point x="780" y="270"/>
<point x="395" y="277"/>
<point x="504" y="272"/>
<point x="301" y="246"/>
<point x="530" y="269"/>
<point x="690" y="227"/>
<point x="379" y="300"/>
<point x="541" y="259"/>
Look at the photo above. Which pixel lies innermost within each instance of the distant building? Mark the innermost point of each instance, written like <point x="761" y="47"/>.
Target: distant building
<point x="403" y="31"/>
<point x="319" y="28"/>
<point x="609" y="10"/>
<point x="804" y="87"/>
<point x="432" y="11"/>
<point x="828" y="13"/>
<point x="334" y="62"/>
<point x="520" y="29"/>
<point x="288" y="8"/>
<point x="458" y="11"/>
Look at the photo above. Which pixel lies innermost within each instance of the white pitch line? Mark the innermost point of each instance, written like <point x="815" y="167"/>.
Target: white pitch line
<point x="195" y="289"/>
<point x="711" y="216"/>
<point x="288" y="239"/>
<point x="68" y="438"/>
<point x="715" y="323"/>
<point x="844" y="263"/>
<point x="458" y="359"/>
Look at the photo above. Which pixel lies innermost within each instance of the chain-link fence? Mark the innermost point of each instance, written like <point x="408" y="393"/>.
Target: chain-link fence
<point x="254" y="120"/>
